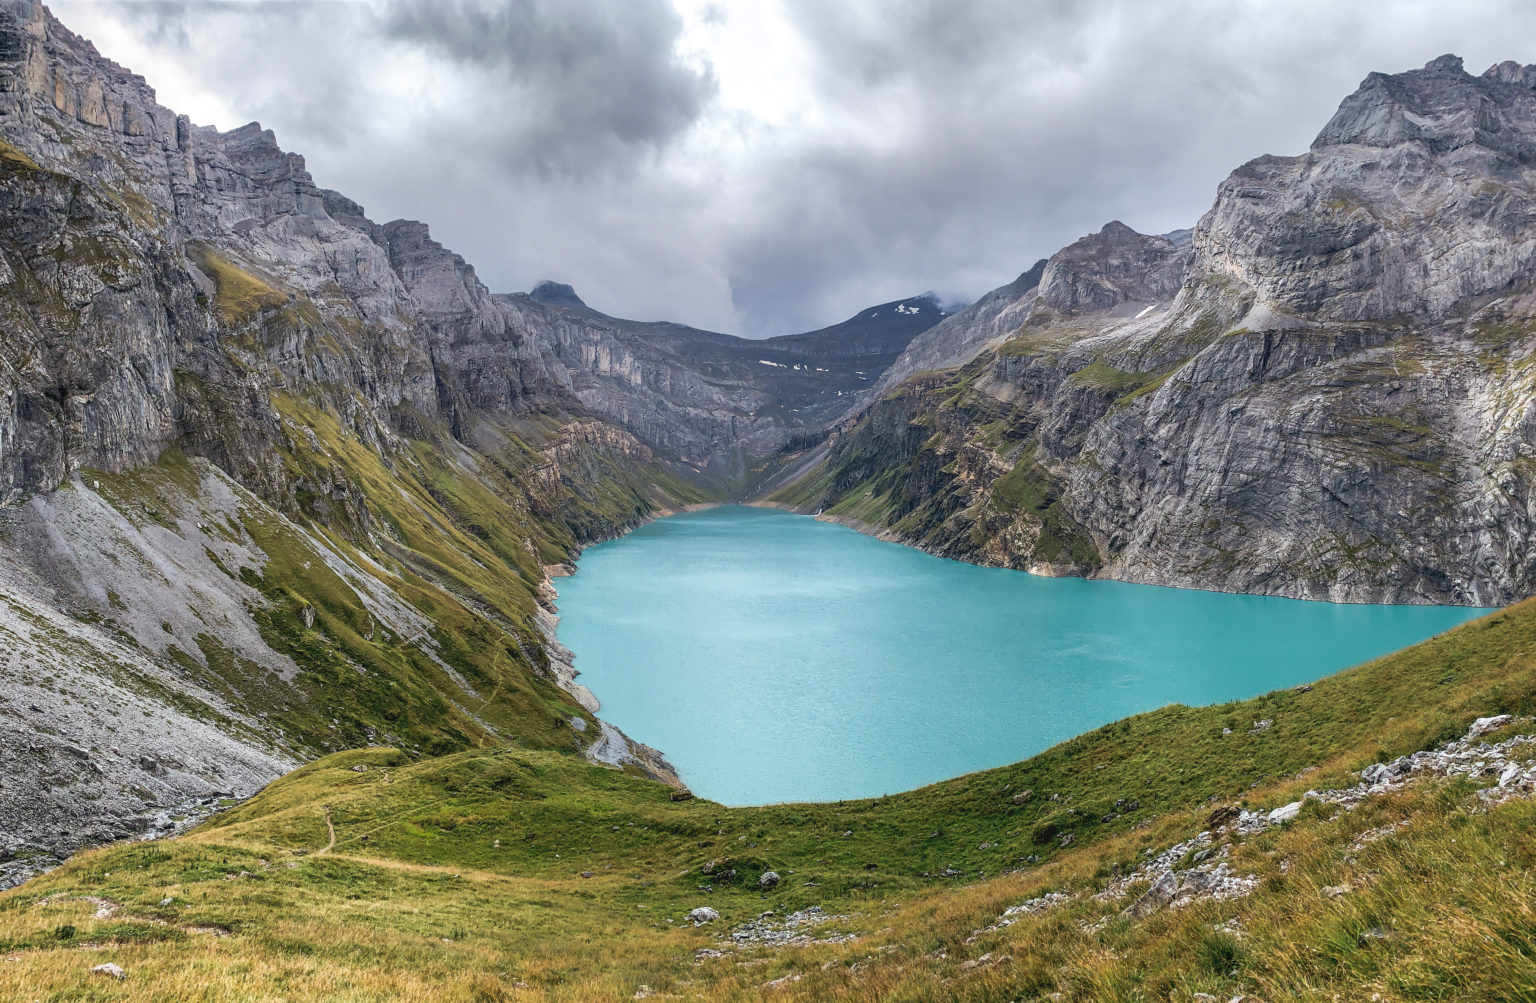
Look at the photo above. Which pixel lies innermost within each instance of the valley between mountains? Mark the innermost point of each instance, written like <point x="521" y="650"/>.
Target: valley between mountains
<point x="282" y="711"/>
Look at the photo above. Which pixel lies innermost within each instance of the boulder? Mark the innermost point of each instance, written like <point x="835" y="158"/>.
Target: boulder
<point x="1160" y="894"/>
<point x="1023" y="796"/>
<point x="703" y="914"/>
<point x="769" y="879"/>
<point x="1285" y="813"/>
<point x="1484" y="725"/>
<point x="110" y="970"/>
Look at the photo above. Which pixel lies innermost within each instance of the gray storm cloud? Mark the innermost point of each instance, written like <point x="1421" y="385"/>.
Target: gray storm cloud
<point x="571" y="86"/>
<point x="939" y="145"/>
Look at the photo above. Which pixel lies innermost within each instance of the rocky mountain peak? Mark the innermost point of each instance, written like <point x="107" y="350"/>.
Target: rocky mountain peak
<point x="556" y="294"/>
<point x="1511" y="72"/>
<point x="1448" y="63"/>
<point x="1442" y="107"/>
<point x="1112" y="266"/>
<point x="1117" y="231"/>
<point x="1410" y="164"/>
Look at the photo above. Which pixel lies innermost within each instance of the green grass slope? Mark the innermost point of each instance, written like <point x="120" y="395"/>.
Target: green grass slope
<point x="507" y="873"/>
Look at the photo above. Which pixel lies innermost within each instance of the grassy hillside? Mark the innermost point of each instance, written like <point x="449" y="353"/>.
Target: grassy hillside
<point x="503" y="873"/>
<point x="403" y="584"/>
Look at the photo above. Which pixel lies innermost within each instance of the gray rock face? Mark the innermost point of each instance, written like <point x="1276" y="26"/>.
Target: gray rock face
<point x="165" y="287"/>
<point x="709" y="399"/>
<point x="175" y="209"/>
<point x="1319" y="394"/>
<point x="959" y="337"/>
<point x="1113" y="266"/>
<point x="556" y="294"/>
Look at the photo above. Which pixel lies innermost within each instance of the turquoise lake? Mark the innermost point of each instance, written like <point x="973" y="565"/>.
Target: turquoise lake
<point x="772" y="657"/>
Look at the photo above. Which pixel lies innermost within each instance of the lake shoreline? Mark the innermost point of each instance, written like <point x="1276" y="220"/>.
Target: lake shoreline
<point x="1125" y="673"/>
<point x="611" y="746"/>
<point x="889" y="535"/>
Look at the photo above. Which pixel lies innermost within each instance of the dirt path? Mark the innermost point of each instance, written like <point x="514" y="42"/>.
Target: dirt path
<point x="330" y="829"/>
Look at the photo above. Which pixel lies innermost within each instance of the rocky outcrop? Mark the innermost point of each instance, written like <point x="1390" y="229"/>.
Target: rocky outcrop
<point x="1321" y="393"/>
<point x="556" y="294"/>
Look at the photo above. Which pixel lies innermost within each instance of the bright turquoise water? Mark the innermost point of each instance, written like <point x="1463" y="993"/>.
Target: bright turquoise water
<point x="776" y="658"/>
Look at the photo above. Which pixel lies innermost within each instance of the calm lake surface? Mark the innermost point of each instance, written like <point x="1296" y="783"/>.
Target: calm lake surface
<point x="776" y="658"/>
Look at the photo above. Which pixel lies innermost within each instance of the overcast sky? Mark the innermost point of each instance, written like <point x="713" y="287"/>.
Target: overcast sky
<point x="767" y="166"/>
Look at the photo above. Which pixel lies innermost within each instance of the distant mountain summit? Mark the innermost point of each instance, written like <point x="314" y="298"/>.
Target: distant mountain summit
<point x="556" y="294"/>
<point x="704" y="397"/>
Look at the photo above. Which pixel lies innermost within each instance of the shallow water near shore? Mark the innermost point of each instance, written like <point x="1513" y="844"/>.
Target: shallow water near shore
<point x="772" y="657"/>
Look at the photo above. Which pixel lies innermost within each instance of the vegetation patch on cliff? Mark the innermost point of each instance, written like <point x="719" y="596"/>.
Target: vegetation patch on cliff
<point x="1028" y="489"/>
<point x="240" y="294"/>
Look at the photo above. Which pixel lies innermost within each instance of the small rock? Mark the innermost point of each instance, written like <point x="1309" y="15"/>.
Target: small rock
<point x="1285" y="813"/>
<point x="1264" y="725"/>
<point x="1160" y="894"/>
<point x="168" y="900"/>
<point x="768" y="880"/>
<point x="1484" y="725"/>
<point x="110" y="970"/>
<point x="1023" y="796"/>
<point x="1304" y="688"/>
<point x="703" y="914"/>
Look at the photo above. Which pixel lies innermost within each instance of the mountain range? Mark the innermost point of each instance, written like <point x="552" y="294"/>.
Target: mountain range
<point x="280" y="481"/>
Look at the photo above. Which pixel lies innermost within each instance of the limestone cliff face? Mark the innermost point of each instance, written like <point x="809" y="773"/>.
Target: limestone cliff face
<point x="274" y="478"/>
<point x="710" y="400"/>
<point x="1324" y="393"/>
